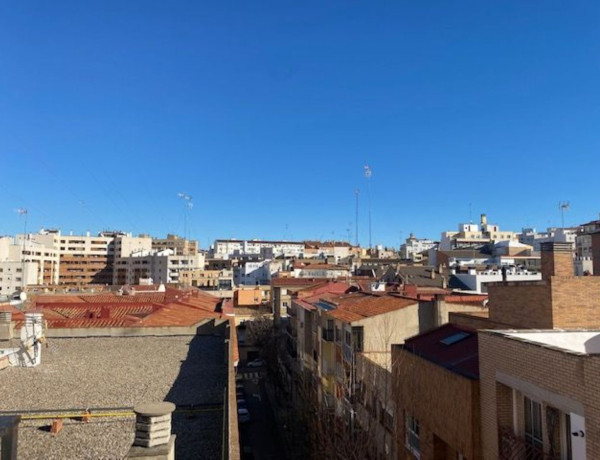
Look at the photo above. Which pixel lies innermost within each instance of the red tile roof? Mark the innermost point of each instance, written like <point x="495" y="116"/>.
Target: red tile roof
<point x="360" y="305"/>
<point x="461" y="357"/>
<point x="171" y="308"/>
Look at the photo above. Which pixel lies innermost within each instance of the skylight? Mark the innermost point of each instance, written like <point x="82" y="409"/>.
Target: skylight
<point x="456" y="337"/>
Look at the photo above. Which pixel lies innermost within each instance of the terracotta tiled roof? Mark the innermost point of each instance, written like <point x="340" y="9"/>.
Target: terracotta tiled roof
<point x="138" y="297"/>
<point x="357" y="306"/>
<point x="172" y="308"/>
<point x="176" y="314"/>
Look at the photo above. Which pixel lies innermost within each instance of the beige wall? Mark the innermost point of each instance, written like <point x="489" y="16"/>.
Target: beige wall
<point x="381" y="331"/>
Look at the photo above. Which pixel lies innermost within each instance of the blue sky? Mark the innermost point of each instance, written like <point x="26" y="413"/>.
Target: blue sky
<point x="265" y="112"/>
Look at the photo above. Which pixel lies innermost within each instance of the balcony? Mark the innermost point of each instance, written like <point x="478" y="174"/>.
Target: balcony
<point x="514" y="447"/>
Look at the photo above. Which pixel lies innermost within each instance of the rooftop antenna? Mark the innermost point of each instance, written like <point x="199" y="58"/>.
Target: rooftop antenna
<point x="563" y="206"/>
<point x="470" y="213"/>
<point x="356" y="193"/>
<point x="188" y="206"/>
<point x="23" y="212"/>
<point x="368" y="174"/>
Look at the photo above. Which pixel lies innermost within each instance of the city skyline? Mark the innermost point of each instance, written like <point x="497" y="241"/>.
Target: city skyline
<point x="266" y="114"/>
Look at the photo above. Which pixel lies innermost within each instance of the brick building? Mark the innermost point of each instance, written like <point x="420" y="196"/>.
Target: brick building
<point x="539" y="394"/>
<point x="436" y="394"/>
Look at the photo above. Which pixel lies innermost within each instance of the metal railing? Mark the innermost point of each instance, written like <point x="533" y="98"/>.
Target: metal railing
<point x="514" y="447"/>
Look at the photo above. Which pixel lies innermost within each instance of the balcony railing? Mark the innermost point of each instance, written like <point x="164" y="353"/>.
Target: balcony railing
<point x="514" y="447"/>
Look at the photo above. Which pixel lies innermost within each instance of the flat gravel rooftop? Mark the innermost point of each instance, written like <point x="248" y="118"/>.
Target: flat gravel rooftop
<point x="118" y="372"/>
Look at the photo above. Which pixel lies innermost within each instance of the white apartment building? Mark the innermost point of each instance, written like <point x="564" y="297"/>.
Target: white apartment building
<point x="24" y="262"/>
<point x="469" y="235"/>
<point x="225" y="249"/>
<point x="88" y="259"/>
<point x="551" y="235"/>
<point x="413" y="248"/>
<point x="161" y="266"/>
<point x="256" y="273"/>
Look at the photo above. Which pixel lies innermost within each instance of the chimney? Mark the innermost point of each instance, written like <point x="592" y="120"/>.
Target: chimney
<point x="557" y="259"/>
<point x="483" y="220"/>
<point x="153" y="438"/>
<point x="433" y="273"/>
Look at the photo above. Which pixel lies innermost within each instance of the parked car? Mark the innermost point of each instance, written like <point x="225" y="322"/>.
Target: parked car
<point x="256" y="363"/>
<point x="243" y="415"/>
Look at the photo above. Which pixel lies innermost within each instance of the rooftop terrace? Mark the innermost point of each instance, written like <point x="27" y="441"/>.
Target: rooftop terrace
<point x="581" y="342"/>
<point x="80" y="373"/>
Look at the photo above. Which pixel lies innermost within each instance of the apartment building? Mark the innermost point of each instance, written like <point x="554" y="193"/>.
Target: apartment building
<point x="340" y="341"/>
<point x="302" y="269"/>
<point x="159" y="266"/>
<point x="209" y="280"/>
<point x="179" y="246"/>
<point x="416" y="249"/>
<point x="284" y="288"/>
<point x="25" y="262"/>
<point x="87" y="259"/>
<point x="583" y="248"/>
<point x="539" y="394"/>
<point x="255" y="272"/>
<point x="527" y="372"/>
<point x="323" y="249"/>
<point x="436" y="395"/>
<point x="534" y="239"/>
<point x="473" y="235"/>
<point x="225" y="249"/>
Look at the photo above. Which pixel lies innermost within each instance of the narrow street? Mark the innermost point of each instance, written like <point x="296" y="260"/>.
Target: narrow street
<point x="260" y="436"/>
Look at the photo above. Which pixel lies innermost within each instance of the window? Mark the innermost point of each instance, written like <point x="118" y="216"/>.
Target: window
<point x="357" y="338"/>
<point x="533" y="428"/>
<point x="412" y="435"/>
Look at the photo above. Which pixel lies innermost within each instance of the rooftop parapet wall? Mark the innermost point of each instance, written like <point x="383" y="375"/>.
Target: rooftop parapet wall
<point x="522" y="306"/>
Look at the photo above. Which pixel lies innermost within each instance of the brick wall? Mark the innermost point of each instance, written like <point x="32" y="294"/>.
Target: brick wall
<point x="445" y="404"/>
<point x="559" y="372"/>
<point x="575" y="302"/>
<point x="557" y="259"/>
<point x="472" y="321"/>
<point x="522" y="305"/>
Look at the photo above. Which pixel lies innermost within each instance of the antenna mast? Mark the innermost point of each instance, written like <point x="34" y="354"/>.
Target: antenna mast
<point x="356" y="193"/>
<point x="188" y="206"/>
<point x="563" y="206"/>
<point x="368" y="174"/>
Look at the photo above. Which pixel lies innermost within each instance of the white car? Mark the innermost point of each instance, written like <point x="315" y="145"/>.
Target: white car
<point x="256" y="363"/>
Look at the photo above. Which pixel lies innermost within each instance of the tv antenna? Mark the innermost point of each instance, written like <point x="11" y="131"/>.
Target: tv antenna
<point x="368" y="174"/>
<point x="562" y="207"/>
<point x="188" y="206"/>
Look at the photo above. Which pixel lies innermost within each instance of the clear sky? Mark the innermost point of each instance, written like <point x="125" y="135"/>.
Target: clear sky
<point x="266" y="112"/>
